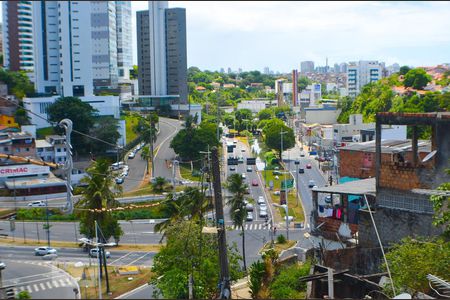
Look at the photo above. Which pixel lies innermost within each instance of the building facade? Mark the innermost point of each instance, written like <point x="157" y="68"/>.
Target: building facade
<point x="17" y="31"/>
<point x="124" y="39"/>
<point x="307" y="67"/>
<point x="162" y="56"/>
<point x="361" y="73"/>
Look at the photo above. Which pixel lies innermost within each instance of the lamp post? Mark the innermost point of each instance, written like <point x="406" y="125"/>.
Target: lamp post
<point x="287" y="217"/>
<point x="296" y="186"/>
<point x="281" y="156"/>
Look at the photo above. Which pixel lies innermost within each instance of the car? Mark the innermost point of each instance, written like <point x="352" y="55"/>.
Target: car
<point x="315" y="187"/>
<point x="126" y="168"/>
<point x="302" y="154"/>
<point x="290" y="218"/>
<point x="308" y="166"/>
<point x="36" y="204"/>
<point x="244" y="176"/>
<point x="301" y="171"/>
<point x="124" y="173"/>
<point x="119" y="180"/>
<point x="254" y="182"/>
<point x="276" y="172"/>
<point x="232" y="169"/>
<point x="2" y="265"/>
<point x="234" y="141"/>
<point x="51" y="256"/>
<point x="249" y="207"/>
<point x="242" y="150"/>
<point x="263" y="207"/>
<point x="117" y="165"/>
<point x="276" y="193"/>
<point x="249" y="216"/>
<point x="261" y="200"/>
<point x="94" y="253"/>
<point x="131" y="155"/>
<point x="311" y="183"/>
<point x="241" y="160"/>
<point x="249" y="169"/>
<point x="44" y="251"/>
<point x="263" y="213"/>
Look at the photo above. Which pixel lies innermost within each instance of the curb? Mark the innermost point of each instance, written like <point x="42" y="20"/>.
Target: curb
<point x="70" y="276"/>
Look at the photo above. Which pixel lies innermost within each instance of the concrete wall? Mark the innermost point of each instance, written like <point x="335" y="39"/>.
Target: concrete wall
<point x="321" y="116"/>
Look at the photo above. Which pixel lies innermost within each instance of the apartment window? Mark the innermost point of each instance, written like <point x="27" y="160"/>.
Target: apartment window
<point x="27" y="149"/>
<point x="5" y="149"/>
<point x="58" y="150"/>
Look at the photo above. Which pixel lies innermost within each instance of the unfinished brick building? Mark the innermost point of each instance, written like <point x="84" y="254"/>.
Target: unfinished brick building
<point x="404" y="184"/>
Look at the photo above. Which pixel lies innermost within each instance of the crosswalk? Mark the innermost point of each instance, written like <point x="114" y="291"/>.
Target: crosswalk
<point x="43" y="285"/>
<point x="251" y="226"/>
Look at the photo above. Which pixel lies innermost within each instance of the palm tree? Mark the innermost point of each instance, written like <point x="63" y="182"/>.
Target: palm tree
<point x="147" y="128"/>
<point x="158" y="184"/>
<point x="98" y="195"/>
<point x="236" y="185"/>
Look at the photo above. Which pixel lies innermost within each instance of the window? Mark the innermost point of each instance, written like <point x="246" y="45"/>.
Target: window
<point x="58" y="150"/>
<point x="5" y="149"/>
<point x="27" y="149"/>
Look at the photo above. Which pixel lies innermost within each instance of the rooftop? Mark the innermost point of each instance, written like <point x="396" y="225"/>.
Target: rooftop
<point x="34" y="183"/>
<point x="389" y="146"/>
<point x="43" y="144"/>
<point x="357" y="187"/>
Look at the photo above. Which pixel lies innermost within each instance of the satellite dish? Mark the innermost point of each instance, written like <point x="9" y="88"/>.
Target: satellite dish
<point x="429" y="156"/>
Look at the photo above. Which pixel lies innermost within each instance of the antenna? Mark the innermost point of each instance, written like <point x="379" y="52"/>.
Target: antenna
<point x="429" y="156"/>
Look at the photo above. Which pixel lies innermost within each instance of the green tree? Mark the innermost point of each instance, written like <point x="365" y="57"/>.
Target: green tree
<point x="272" y="136"/>
<point x="404" y="70"/>
<point x="265" y="114"/>
<point x="412" y="259"/>
<point x="238" y="212"/>
<point x="105" y="129"/>
<point x="81" y="113"/>
<point x="99" y="196"/>
<point x="18" y="83"/>
<point x="21" y="116"/>
<point x="257" y="272"/>
<point x="147" y="128"/>
<point x="303" y="82"/>
<point x="441" y="205"/>
<point x="186" y="253"/>
<point x="158" y="184"/>
<point x="286" y="284"/>
<point x="416" y="78"/>
<point x="134" y="72"/>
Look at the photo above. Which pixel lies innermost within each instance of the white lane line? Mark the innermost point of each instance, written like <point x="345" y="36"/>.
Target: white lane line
<point x="55" y="283"/>
<point x="22" y="288"/>
<point x="122" y="257"/>
<point x="69" y="282"/>
<point x="29" y="276"/>
<point x="48" y="284"/>
<point x="29" y="289"/>
<point x="42" y="286"/>
<point x="37" y="280"/>
<point x="141" y="257"/>
<point x="36" y="289"/>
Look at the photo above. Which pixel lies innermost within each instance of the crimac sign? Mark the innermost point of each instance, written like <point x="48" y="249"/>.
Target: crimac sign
<point x="23" y="170"/>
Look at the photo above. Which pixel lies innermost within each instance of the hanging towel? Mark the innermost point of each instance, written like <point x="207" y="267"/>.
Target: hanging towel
<point x="338" y="213"/>
<point x="321" y="208"/>
<point x="329" y="212"/>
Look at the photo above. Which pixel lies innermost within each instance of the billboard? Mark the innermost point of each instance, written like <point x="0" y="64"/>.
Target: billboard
<point x="23" y="170"/>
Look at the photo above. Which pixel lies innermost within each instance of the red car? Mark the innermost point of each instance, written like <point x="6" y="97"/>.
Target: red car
<point x="254" y="182"/>
<point x="308" y="166"/>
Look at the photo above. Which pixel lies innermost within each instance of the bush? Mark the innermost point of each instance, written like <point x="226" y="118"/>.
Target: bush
<point x="281" y="239"/>
<point x="286" y="284"/>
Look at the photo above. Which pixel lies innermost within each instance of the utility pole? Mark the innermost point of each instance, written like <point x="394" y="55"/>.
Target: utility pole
<point x="281" y="156"/>
<point x="99" y="263"/>
<point x="151" y="149"/>
<point x="68" y="165"/>
<point x="225" y="291"/>
<point x="48" y="225"/>
<point x="296" y="164"/>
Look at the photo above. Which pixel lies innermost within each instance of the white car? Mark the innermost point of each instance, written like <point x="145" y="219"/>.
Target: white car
<point x="119" y="180"/>
<point x="249" y="216"/>
<point x="261" y="200"/>
<point x="263" y="213"/>
<point x="36" y="204"/>
<point x="311" y="183"/>
<point x="244" y="176"/>
<point x="263" y="207"/>
<point x="117" y="165"/>
<point x="94" y="253"/>
<point x="131" y="155"/>
<point x="126" y="168"/>
<point x="44" y="251"/>
<point x="249" y="207"/>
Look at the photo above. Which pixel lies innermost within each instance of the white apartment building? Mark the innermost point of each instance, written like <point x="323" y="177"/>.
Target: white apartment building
<point x="361" y="73"/>
<point x="346" y="132"/>
<point x="17" y="32"/>
<point x="311" y="95"/>
<point x="81" y="47"/>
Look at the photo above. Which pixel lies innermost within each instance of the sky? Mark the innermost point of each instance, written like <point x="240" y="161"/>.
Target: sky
<point x="280" y="34"/>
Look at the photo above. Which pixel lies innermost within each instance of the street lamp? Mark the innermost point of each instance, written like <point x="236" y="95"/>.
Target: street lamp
<point x="281" y="156"/>
<point x="287" y="217"/>
<point x="296" y="165"/>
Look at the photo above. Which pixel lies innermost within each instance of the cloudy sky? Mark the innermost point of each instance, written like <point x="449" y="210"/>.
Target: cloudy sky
<point x="253" y="35"/>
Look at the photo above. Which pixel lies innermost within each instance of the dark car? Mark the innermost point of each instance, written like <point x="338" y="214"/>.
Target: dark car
<point x="308" y="166"/>
<point x="301" y="171"/>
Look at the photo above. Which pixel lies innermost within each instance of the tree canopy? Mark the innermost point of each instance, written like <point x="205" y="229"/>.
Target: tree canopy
<point x="416" y="78"/>
<point x="272" y="136"/>
<point x="18" y="83"/>
<point x="105" y="129"/>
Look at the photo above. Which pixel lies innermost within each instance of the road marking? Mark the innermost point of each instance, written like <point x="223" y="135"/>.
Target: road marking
<point x="42" y="286"/>
<point x="29" y="289"/>
<point x="69" y="282"/>
<point x="22" y="288"/>
<point x="62" y="282"/>
<point x="122" y="257"/>
<point x="55" y="283"/>
<point x="29" y="276"/>
<point x="137" y="259"/>
<point x="48" y="285"/>
<point x="36" y="289"/>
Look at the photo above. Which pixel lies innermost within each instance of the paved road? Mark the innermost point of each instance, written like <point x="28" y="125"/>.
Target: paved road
<point x="118" y="258"/>
<point x="40" y="279"/>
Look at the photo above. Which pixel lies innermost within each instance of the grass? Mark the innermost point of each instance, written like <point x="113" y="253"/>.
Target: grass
<point x="42" y="132"/>
<point x="130" y="122"/>
<point x="119" y="284"/>
<point x="60" y="244"/>
<point x="295" y="208"/>
<point x="278" y="247"/>
<point x="185" y="171"/>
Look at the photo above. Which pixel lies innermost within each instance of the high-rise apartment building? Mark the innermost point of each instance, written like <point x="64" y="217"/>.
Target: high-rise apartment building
<point x="343" y="67"/>
<point x="162" y="57"/>
<point x="361" y="73"/>
<point x="124" y="39"/>
<point x="306" y="67"/>
<point x="75" y="47"/>
<point x="17" y="34"/>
